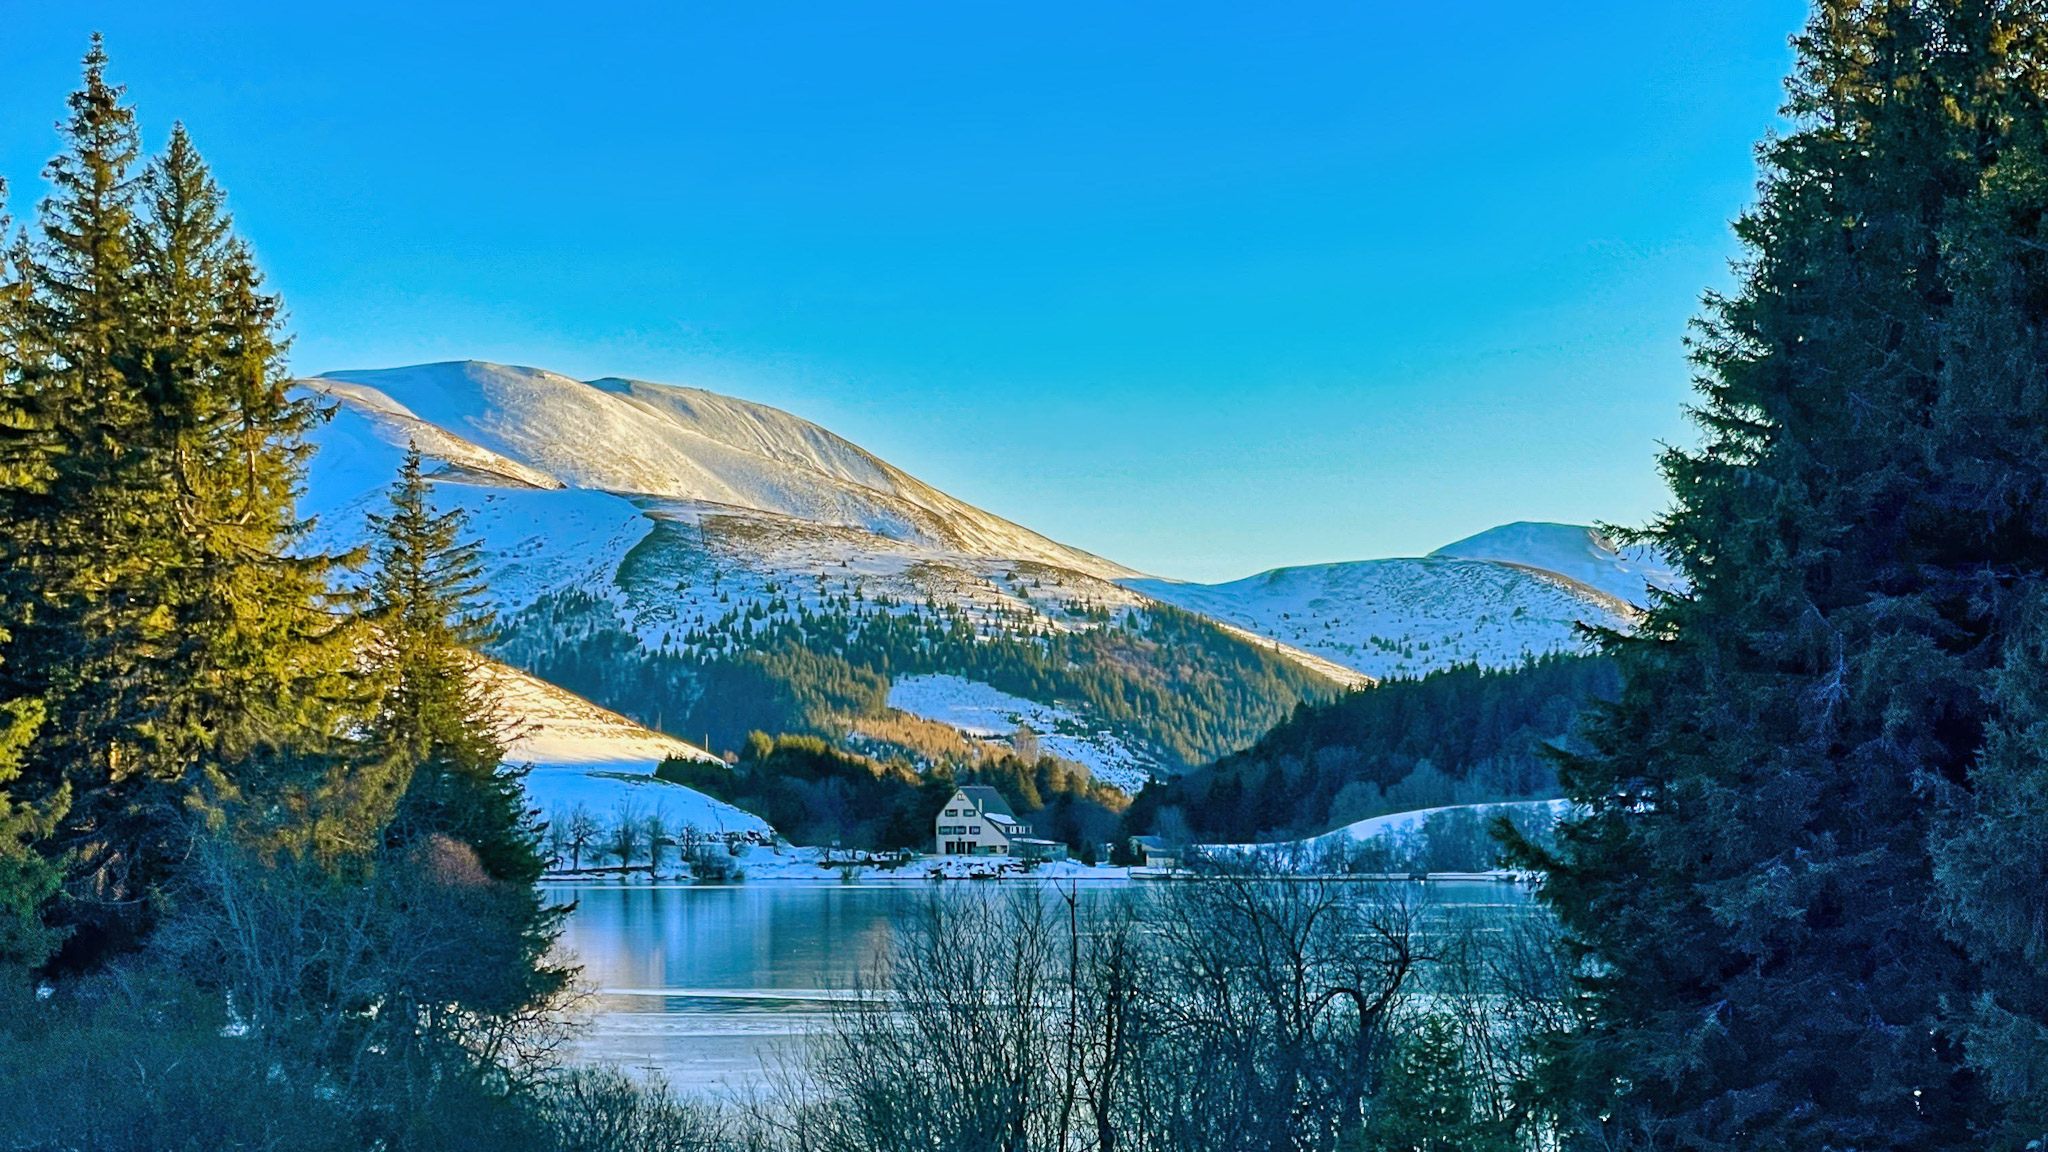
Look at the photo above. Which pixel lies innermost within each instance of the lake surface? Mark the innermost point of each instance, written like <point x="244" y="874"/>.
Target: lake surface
<point x="710" y="986"/>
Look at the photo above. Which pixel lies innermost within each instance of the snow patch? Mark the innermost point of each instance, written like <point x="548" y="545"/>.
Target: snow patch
<point x="1400" y="825"/>
<point x="981" y="710"/>
<point x="584" y="756"/>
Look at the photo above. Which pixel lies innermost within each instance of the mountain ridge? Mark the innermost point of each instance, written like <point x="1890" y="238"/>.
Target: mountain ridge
<point x="687" y="529"/>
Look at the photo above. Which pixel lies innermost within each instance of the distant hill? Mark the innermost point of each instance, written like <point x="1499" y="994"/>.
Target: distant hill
<point x="1627" y="572"/>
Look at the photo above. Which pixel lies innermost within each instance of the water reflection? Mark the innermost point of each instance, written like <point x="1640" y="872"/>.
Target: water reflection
<point x="712" y="986"/>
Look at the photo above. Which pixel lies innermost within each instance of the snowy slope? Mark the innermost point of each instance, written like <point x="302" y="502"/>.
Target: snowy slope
<point x="1624" y="571"/>
<point x="1403" y="824"/>
<point x="981" y="710"/>
<point x="1404" y="617"/>
<point x="687" y="447"/>
<point x="673" y="508"/>
<point x="583" y="755"/>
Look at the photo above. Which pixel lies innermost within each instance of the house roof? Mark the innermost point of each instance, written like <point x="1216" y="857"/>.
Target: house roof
<point x="988" y="800"/>
<point x="1152" y="843"/>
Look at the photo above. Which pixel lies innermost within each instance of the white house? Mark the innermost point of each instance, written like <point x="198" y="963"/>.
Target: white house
<point x="1155" y="852"/>
<point x="977" y="821"/>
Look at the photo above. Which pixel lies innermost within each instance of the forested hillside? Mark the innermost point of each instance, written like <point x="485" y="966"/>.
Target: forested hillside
<point x="1185" y="689"/>
<point x="1460" y="736"/>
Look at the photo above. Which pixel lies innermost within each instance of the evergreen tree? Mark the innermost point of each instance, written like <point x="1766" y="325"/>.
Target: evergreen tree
<point x="70" y="417"/>
<point x="1429" y="1100"/>
<point x="439" y="712"/>
<point x="1750" y="884"/>
<point x="153" y="605"/>
<point x="27" y="881"/>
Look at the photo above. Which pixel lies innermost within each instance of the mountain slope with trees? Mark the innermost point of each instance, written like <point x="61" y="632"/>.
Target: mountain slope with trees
<point x="1463" y="735"/>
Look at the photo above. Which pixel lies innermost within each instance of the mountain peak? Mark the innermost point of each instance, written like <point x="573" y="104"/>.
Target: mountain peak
<point x="1576" y="551"/>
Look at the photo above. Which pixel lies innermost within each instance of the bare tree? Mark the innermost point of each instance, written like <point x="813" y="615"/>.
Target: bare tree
<point x="583" y="829"/>
<point x="623" y="837"/>
<point x="658" y="837"/>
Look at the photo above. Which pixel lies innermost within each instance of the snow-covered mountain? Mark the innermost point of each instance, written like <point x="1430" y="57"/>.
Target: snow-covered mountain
<point x="680" y="454"/>
<point x="1515" y="591"/>
<point x="1625" y="571"/>
<point x="624" y="521"/>
<point x="636" y="534"/>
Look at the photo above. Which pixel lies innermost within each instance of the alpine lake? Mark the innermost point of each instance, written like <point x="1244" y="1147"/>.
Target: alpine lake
<point x="714" y="988"/>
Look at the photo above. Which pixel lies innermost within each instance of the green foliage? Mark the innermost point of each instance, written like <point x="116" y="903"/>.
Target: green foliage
<point x="1751" y="884"/>
<point x="786" y="688"/>
<point x="814" y="793"/>
<point x="439" y="719"/>
<point x="153" y="603"/>
<point x="1166" y="679"/>
<point x="1429" y="1098"/>
<point x="1462" y="735"/>
<point x="292" y="886"/>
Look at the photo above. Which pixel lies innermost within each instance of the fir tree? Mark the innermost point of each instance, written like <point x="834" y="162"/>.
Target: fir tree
<point x="439" y="712"/>
<point x="154" y="607"/>
<point x="27" y="881"/>
<point x="1751" y="885"/>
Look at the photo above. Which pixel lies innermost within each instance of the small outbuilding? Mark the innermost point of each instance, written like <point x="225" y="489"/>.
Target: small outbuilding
<point x="1030" y="848"/>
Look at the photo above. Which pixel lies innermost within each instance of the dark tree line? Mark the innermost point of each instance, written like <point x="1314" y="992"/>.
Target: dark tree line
<point x="1463" y="735"/>
<point x="814" y="793"/>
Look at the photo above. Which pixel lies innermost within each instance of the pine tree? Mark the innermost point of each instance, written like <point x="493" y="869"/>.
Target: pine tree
<point x="1863" y="525"/>
<point x="70" y="335"/>
<point x="439" y="712"/>
<point x="154" y="606"/>
<point x="27" y="881"/>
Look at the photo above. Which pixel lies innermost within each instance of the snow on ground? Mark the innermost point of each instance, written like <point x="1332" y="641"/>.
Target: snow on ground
<point x="980" y="710"/>
<point x="1404" y="824"/>
<point x="764" y="863"/>
<point x="583" y="755"/>
<point x="1404" y="617"/>
<point x="1625" y="571"/>
<point x="534" y="539"/>
<point x="556" y="727"/>
<point x="632" y="790"/>
<point x="1396" y="827"/>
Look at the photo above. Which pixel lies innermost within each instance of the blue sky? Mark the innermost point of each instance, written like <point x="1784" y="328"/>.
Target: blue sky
<point x="1204" y="288"/>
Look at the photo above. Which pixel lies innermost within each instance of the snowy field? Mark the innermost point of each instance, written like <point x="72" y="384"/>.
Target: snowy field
<point x="632" y="789"/>
<point x="980" y="710"/>
<point x="1400" y="825"/>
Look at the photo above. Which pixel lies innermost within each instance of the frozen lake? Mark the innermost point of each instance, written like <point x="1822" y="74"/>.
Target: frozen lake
<point x="708" y="986"/>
